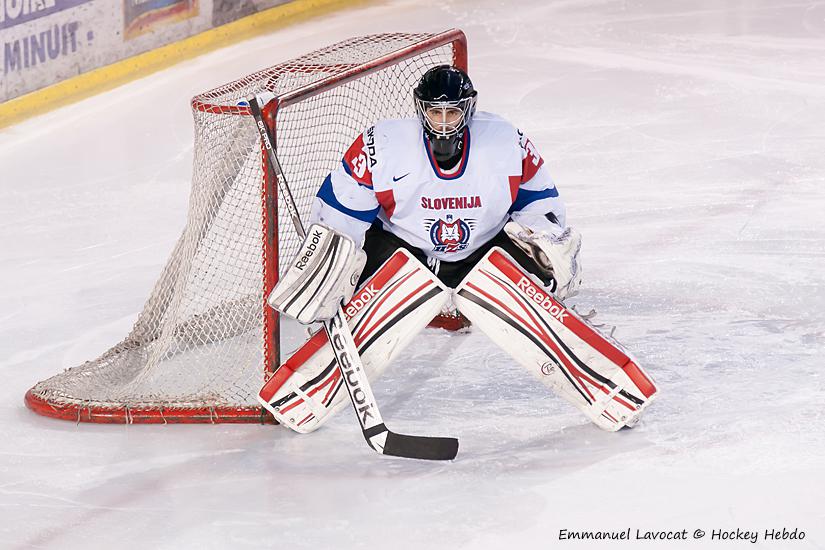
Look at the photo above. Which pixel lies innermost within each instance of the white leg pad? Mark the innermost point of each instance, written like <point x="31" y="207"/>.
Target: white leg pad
<point x="588" y="369"/>
<point x="384" y="315"/>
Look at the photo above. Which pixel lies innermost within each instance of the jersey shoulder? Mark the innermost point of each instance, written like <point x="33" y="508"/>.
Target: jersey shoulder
<point x="494" y="142"/>
<point x="380" y="148"/>
<point x="492" y="121"/>
<point x="494" y="129"/>
<point x="397" y="132"/>
<point x="498" y="132"/>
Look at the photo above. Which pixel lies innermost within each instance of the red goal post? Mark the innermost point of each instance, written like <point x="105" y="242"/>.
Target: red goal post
<point x="205" y="341"/>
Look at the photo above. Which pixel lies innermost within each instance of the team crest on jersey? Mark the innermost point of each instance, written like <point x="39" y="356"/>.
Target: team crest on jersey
<point x="450" y="235"/>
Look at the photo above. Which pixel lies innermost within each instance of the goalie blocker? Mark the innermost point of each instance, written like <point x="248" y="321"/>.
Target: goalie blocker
<point x="384" y="315"/>
<point x="322" y="276"/>
<point x="588" y="369"/>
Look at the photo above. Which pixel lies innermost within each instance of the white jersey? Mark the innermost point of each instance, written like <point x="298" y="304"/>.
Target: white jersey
<point x="389" y="173"/>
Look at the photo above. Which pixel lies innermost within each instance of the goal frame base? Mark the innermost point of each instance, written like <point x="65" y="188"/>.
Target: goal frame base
<point x="148" y="415"/>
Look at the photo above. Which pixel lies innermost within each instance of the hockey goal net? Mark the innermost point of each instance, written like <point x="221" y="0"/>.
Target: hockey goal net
<point x="205" y="342"/>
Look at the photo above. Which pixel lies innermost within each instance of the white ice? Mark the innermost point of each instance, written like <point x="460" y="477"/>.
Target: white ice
<point x="688" y="138"/>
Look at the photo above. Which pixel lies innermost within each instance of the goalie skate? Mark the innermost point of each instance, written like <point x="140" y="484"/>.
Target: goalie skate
<point x="384" y="315"/>
<point x="588" y="369"/>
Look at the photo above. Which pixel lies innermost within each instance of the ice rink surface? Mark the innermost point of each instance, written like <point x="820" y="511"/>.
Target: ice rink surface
<point x="688" y="140"/>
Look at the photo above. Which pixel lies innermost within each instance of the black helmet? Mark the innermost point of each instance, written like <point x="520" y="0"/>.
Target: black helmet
<point x="442" y="91"/>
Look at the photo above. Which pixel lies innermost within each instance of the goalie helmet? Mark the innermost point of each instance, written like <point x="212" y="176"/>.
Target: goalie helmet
<point x="445" y="101"/>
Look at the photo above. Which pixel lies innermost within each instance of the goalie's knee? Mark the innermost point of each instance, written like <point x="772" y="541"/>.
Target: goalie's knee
<point x="384" y="315"/>
<point x="588" y="369"/>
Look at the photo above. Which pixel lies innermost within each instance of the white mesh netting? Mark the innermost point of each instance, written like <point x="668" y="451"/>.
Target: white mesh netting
<point x="198" y="350"/>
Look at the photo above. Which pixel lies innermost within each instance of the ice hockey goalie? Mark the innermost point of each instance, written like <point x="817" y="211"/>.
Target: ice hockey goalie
<point x="454" y="207"/>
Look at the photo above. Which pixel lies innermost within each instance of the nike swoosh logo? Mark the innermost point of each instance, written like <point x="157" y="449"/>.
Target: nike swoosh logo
<point x="401" y="177"/>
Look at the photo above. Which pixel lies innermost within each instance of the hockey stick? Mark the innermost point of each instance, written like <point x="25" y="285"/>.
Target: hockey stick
<point x="378" y="436"/>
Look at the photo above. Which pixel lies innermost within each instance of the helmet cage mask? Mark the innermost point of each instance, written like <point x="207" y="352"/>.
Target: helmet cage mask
<point x="454" y="115"/>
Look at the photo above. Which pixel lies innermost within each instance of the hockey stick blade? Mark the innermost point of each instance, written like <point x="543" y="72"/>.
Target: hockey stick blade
<point x="390" y="443"/>
<point x="425" y="448"/>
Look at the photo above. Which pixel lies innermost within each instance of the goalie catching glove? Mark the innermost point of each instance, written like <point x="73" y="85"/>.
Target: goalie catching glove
<point x="555" y="250"/>
<point x="322" y="276"/>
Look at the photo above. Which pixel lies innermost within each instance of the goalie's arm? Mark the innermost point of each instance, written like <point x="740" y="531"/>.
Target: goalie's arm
<point x="539" y="227"/>
<point x="536" y="203"/>
<point x="346" y="201"/>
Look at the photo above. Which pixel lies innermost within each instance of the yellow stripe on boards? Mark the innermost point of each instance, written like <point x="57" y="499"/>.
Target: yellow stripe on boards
<point x="108" y="77"/>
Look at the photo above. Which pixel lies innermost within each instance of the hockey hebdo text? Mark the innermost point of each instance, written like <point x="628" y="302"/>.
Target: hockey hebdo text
<point x="752" y="536"/>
